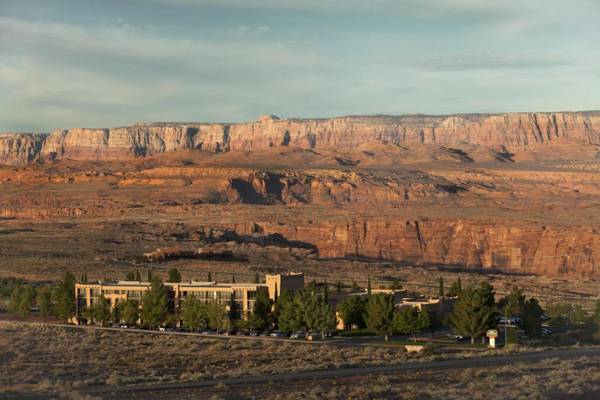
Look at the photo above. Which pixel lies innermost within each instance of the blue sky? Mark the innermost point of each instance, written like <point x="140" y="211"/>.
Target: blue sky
<point x="67" y="63"/>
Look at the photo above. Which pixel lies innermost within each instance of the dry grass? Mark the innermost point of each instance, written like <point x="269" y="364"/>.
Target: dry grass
<point x="548" y="379"/>
<point x="40" y="358"/>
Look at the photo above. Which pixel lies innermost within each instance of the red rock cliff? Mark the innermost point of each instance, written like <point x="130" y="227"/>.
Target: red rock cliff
<point x="505" y="130"/>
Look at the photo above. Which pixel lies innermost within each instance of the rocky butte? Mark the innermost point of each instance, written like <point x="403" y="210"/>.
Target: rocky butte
<point x="515" y="192"/>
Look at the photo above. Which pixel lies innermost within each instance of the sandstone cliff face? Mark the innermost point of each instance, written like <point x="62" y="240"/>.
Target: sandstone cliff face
<point x="18" y="148"/>
<point x="508" y="131"/>
<point x="511" y="246"/>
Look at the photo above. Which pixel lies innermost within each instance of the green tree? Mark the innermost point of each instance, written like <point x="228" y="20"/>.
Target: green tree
<point x="155" y="304"/>
<point x="577" y="316"/>
<point x="20" y="300"/>
<point x="261" y="316"/>
<point x="193" y="313"/>
<point x="596" y="321"/>
<point x="369" y="285"/>
<point x="289" y="312"/>
<point x="88" y="314"/>
<point x="441" y="287"/>
<point x="411" y="321"/>
<point x="564" y="316"/>
<point x="338" y="286"/>
<point x="532" y="317"/>
<point x="149" y="275"/>
<point x="216" y="316"/>
<point x="514" y="303"/>
<point x="44" y="301"/>
<point x="174" y="276"/>
<point x="232" y="278"/>
<point x="64" y="297"/>
<point x="379" y="314"/>
<point x="327" y="320"/>
<point x="352" y="311"/>
<point x="101" y="310"/>
<point x="256" y="278"/>
<point x="474" y="312"/>
<point x="130" y="312"/>
<point x="115" y="313"/>
<point x="209" y="278"/>
<point x="234" y="308"/>
<point x="311" y="310"/>
<point x="436" y="322"/>
<point x="455" y="289"/>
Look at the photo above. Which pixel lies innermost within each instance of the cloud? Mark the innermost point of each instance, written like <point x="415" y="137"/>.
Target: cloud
<point x="84" y="75"/>
<point x="245" y="31"/>
<point x="484" y="60"/>
<point x="234" y="59"/>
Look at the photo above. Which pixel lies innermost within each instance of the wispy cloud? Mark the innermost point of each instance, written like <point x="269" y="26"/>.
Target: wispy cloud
<point x="484" y="60"/>
<point x="234" y="59"/>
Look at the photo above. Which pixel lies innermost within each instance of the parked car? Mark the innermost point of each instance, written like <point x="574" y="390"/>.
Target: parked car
<point x="255" y="332"/>
<point x="455" y="336"/>
<point x="279" y="334"/>
<point x="509" y="321"/>
<point x="298" y="335"/>
<point x="243" y="332"/>
<point x="546" y="332"/>
<point x="208" y="331"/>
<point x="162" y="329"/>
<point x="265" y="333"/>
<point x="124" y="326"/>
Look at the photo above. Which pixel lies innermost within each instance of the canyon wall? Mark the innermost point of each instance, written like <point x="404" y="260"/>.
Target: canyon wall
<point x="511" y="246"/>
<point x="507" y="131"/>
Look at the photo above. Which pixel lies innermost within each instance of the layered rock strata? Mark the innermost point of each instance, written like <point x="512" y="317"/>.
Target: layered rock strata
<point x="503" y="131"/>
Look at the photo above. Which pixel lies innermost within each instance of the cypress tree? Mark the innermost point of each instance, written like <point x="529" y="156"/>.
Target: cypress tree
<point x="174" y="276"/>
<point x="149" y="275"/>
<point x="209" y="278"/>
<point x="256" y="278"/>
<point x="232" y="278"/>
<point x="369" y="285"/>
<point x="441" y="288"/>
<point x="138" y="276"/>
<point x="326" y="293"/>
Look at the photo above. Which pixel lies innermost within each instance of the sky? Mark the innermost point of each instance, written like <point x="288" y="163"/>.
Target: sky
<point x="103" y="63"/>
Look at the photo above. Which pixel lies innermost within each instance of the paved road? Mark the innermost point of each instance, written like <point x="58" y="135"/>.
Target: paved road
<point x="125" y="391"/>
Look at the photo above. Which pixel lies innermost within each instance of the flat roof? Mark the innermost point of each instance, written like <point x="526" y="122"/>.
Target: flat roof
<point x="183" y="284"/>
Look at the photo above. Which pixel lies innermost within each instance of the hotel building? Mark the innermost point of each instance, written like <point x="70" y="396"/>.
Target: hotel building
<point x="241" y="295"/>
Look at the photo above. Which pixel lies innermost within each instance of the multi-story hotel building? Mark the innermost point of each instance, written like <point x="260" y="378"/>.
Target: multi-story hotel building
<point x="242" y="295"/>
